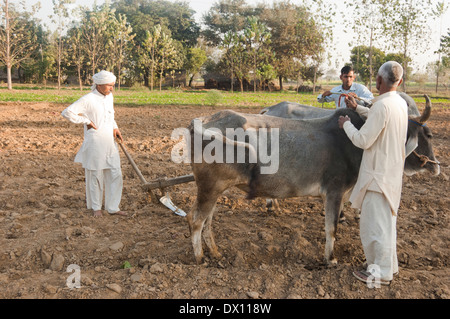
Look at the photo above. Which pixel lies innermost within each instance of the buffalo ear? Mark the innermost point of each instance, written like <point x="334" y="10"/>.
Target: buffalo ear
<point x="411" y="145"/>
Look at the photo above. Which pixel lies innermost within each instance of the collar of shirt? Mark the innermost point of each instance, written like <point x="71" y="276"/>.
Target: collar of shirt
<point x="98" y="94"/>
<point x="340" y="89"/>
<point x="385" y="95"/>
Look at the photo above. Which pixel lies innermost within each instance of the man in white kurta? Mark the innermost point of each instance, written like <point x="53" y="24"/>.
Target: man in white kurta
<point x="378" y="189"/>
<point x="99" y="154"/>
<point x="348" y="87"/>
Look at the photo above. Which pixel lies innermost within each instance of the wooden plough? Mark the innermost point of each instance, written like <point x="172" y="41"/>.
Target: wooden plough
<point x="161" y="184"/>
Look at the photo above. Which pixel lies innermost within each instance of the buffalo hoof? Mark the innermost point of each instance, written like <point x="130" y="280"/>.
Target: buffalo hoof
<point x="331" y="262"/>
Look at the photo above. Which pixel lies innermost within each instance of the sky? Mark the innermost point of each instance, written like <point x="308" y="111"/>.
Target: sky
<point x="340" y="50"/>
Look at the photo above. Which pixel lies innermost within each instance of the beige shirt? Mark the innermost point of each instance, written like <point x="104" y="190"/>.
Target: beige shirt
<point x="383" y="138"/>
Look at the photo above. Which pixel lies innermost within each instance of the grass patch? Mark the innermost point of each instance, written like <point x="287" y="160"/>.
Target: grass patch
<point x="143" y="96"/>
<point x="139" y="97"/>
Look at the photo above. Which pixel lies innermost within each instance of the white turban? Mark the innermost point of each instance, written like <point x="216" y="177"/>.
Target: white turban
<point x="103" y="77"/>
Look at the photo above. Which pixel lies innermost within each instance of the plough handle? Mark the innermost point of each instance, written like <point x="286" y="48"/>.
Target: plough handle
<point x="133" y="164"/>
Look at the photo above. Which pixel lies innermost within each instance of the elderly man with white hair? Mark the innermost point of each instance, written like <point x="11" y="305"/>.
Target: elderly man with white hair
<point x="378" y="189"/>
<point x="99" y="154"/>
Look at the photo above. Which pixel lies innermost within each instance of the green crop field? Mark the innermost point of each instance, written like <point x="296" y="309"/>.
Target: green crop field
<point x="143" y="96"/>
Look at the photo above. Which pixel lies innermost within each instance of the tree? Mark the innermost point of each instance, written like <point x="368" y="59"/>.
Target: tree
<point x="296" y="38"/>
<point x="364" y="59"/>
<point x="17" y="40"/>
<point x="406" y="25"/>
<point x="149" y="48"/>
<point x="60" y="17"/>
<point x="167" y="56"/>
<point x="234" y="57"/>
<point x="175" y="19"/>
<point x="439" y="11"/>
<point x="445" y="48"/>
<point x="160" y="53"/>
<point x="266" y="73"/>
<point x="257" y="39"/>
<point x="225" y="16"/>
<point x="47" y="64"/>
<point x="76" y="51"/>
<point x="96" y="28"/>
<point x="119" y="42"/>
<point x="367" y="23"/>
<point x="175" y="16"/>
<point x="195" y="59"/>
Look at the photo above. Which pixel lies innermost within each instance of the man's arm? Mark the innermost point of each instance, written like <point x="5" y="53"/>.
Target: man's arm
<point x="118" y="135"/>
<point x="72" y="112"/>
<point x="352" y="104"/>
<point x="325" y="97"/>
<point x="369" y="132"/>
<point x="365" y="96"/>
<point x="364" y="93"/>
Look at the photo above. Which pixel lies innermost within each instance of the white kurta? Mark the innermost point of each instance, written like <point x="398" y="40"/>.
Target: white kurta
<point x="383" y="138"/>
<point x="360" y="90"/>
<point x="99" y="154"/>
<point x="99" y="149"/>
<point x="378" y="189"/>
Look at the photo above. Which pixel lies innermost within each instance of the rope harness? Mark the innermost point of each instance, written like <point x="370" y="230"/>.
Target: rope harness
<point x="342" y="95"/>
<point x="425" y="159"/>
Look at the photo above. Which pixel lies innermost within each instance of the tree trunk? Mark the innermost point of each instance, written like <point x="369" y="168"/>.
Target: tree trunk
<point x="8" y="72"/>
<point x="146" y="78"/>
<point x="119" y="69"/>
<point x="280" y="79"/>
<point x="79" y="78"/>
<point x="437" y="72"/>
<point x="370" y="61"/>
<point x="315" y="80"/>
<point x="8" y="47"/>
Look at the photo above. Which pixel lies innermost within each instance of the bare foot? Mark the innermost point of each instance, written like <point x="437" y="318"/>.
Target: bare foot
<point x="121" y="213"/>
<point x="98" y="213"/>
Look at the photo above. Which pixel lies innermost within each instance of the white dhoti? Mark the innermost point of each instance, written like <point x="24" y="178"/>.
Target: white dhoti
<point x="379" y="235"/>
<point x="107" y="181"/>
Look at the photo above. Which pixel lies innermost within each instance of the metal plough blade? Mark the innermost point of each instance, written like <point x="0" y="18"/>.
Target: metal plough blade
<point x="166" y="201"/>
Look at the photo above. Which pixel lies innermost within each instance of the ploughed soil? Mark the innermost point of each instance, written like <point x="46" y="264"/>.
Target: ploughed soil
<point x="45" y="228"/>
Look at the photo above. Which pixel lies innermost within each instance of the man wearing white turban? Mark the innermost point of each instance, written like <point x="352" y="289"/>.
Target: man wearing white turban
<point x="99" y="154"/>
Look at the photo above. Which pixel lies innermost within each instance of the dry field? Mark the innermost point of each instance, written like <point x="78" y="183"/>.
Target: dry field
<point x="44" y="226"/>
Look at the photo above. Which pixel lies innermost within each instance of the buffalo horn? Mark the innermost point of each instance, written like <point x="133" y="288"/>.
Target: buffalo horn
<point x="426" y="112"/>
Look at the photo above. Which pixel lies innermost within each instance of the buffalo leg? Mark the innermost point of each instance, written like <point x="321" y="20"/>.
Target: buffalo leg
<point x="333" y="207"/>
<point x="209" y="238"/>
<point x="200" y="219"/>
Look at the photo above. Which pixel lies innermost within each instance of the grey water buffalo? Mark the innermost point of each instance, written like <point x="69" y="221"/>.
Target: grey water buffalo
<point x="419" y="135"/>
<point x="294" y="110"/>
<point x="419" y="138"/>
<point x="315" y="158"/>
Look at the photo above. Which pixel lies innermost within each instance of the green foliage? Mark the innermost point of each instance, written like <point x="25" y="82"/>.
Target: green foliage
<point x="195" y="59"/>
<point x="225" y="16"/>
<point x="361" y="63"/>
<point x="257" y="42"/>
<point x="213" y="97"/>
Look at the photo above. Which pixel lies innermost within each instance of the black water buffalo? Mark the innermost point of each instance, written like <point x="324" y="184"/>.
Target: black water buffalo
<point x="315" y="158"/>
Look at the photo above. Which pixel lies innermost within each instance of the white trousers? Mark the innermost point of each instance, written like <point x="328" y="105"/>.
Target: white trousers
<point x="108" y="181"/>
<point x="379" y="235"/>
